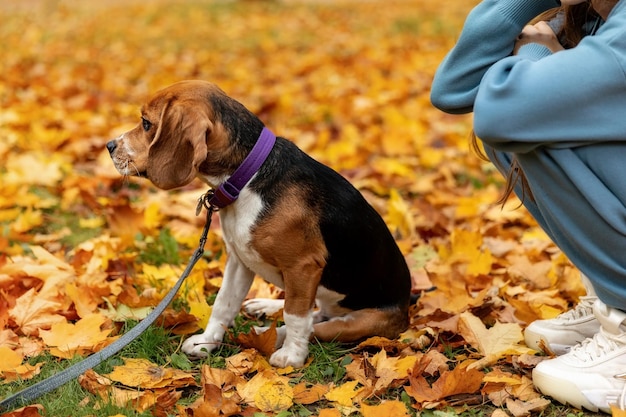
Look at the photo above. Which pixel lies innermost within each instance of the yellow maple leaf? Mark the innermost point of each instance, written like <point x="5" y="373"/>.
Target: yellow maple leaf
<point x="248" y="360"/>
<point x="274" y="396"/>
<point x="467" y="247"/>
<point x="141" y="373"/>
<point x="22" y="372"/>
<point x="10" y="359"/>
<point x="201" y="310"/>
<point x="343" y="394"/>
<point x="83" y="302"/>
<point x="83" y="337"/>
<point x="389" y="369"/>
<point x="248" y="390"/>
<point x="493" y="343"/>
<point x="12" y="369"/>
<point x="32" y="313"/>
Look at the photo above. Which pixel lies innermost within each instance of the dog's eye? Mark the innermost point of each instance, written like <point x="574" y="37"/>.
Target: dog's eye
<point x="146" y="124"/>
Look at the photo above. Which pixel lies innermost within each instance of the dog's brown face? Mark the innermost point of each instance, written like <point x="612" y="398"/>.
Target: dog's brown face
<point x="170" y="142"/>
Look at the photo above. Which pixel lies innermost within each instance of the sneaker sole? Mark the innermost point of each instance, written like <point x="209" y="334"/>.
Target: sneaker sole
<point x="536" y="341"/>
<point x="564" y="392"/>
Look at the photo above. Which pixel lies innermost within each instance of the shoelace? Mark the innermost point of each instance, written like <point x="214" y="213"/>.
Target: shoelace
<point x="600" y="344"/>
<point x="584" y="308"/>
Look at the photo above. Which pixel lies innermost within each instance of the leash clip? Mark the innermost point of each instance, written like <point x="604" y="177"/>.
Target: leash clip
<point x="205" y="201"/>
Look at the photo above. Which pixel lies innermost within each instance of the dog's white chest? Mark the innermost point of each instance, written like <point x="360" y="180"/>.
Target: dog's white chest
<point x="237" y="223"/>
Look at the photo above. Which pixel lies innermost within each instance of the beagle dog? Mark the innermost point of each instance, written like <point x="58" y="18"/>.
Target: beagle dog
<point x="293" y="221"/>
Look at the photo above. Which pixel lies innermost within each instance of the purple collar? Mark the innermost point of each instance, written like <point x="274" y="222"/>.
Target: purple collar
<point x="229" y="190"/>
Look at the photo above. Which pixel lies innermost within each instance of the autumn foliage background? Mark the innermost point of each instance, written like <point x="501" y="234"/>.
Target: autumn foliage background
<point x="82" y="249"/>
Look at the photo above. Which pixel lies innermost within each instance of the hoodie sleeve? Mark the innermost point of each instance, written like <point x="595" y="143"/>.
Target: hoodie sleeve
<point x="566" y="99"/>
<point x="488" y="36"/>
<point x="571" y="98"/>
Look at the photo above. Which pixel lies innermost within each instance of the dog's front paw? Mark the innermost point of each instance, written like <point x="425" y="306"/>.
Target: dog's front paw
<point x="199" y="346"/>
<point x="260" y="306"/>
<point x="289" y="356"/>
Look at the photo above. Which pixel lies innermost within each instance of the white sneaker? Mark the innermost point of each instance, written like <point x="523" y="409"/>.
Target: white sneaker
<point x="590" y="375"/>
<point x="565" y="330"/>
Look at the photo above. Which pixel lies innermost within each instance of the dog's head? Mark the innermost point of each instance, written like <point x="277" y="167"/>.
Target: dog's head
<point x="172" y="140"/>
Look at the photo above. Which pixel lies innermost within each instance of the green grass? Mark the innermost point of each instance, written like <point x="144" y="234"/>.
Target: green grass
<point x="157" y="345"/>
<point x="329" y="364"/>
<point x="160" y="250"/>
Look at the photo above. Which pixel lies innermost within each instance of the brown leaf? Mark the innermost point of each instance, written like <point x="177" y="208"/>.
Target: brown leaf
<point x="304" y="394"/>
<point x="214" y="404"/>
<point x="458" y="381"/>
<point x="264" y="342"/>
<point x="29" y="411"/>
<point x="524" y="408"/>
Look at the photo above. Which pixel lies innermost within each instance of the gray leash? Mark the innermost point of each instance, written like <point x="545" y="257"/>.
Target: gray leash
<point x="29" y="394"/>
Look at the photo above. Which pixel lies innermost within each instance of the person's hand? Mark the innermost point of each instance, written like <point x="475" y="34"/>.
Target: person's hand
<point x="540" y="33"/>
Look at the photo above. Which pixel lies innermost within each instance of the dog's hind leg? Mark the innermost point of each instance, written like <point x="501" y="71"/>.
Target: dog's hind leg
<point x="298" y="313"/>
<point x="361" y="324"/>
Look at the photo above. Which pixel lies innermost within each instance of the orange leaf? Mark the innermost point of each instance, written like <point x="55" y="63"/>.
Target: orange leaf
<point x="330" y="412"/>
<point x="385" y="409"/>
<point x="308" y="395"/>
<point x="265" y="342"/>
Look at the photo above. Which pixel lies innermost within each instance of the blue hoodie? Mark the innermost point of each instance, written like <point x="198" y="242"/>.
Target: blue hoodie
<point x="563" y="116"/>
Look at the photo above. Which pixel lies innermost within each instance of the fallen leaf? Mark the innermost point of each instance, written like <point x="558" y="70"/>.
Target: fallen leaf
<point x="304" y="394"/>
<point x="141" y="373"/>
<point x="215" y="404"/>
<point x="343" y="394"/>
<point x="83" y="337"/>
<point x="385" y="409"/>
<point x="32" y="313"/>
<point x="274" y="396"/>
<point x="460" y="380"/>
<point x="524" y="408"/>
<point x="501" y="339"/>
<point x="264" y="342"/>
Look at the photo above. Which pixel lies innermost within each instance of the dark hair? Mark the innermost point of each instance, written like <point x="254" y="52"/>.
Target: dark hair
<point x="574" y="18"/>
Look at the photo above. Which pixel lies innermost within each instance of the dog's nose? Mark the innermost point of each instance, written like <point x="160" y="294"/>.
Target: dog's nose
<point x="111" y="145"/>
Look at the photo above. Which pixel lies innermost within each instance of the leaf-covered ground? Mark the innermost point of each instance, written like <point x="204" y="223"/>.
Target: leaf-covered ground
<point x="83" y="250"/>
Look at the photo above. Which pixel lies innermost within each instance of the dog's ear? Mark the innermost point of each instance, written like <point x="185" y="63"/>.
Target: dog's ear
<point x="179" y="145"/>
